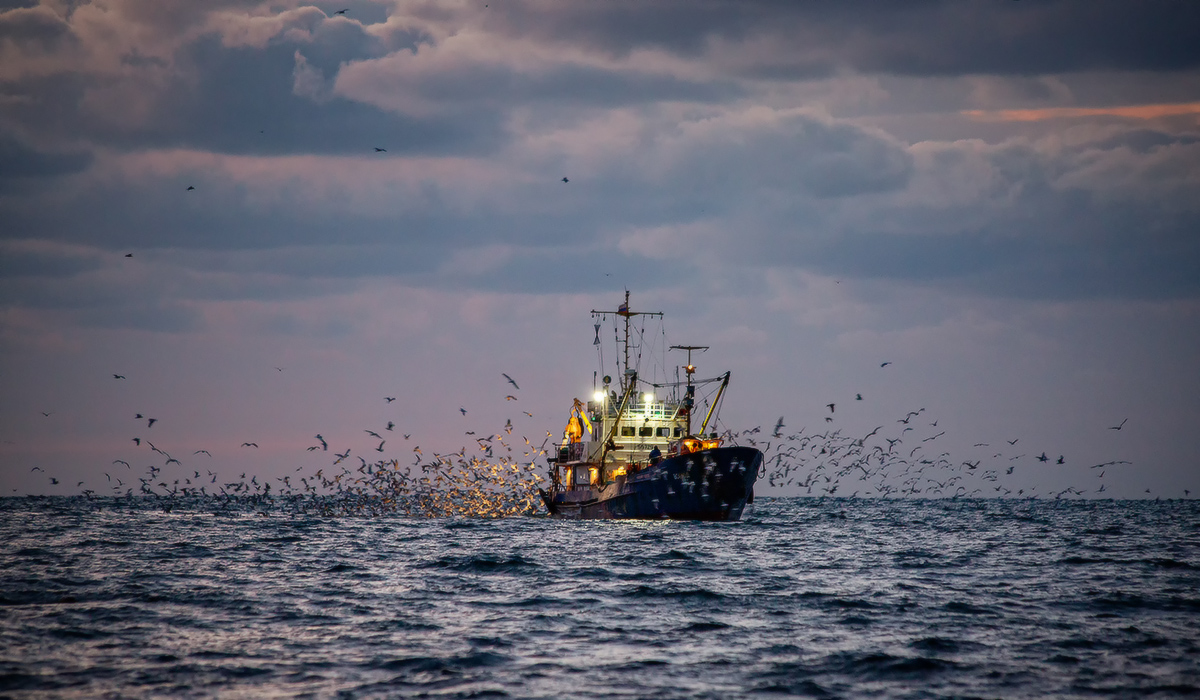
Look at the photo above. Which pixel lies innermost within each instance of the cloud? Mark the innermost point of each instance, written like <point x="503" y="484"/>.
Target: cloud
<point x="19" y="160"/>
<point x="1125" y="111"/>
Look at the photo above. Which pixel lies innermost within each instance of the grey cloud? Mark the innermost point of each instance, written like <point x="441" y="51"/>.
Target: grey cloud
<point x="20" y="160"/>
<point x="918" y="38"/>
<point x="29" y="27"/>
<point x="162" y="317"/>
<point x="21" y="260"/>
<point x="796" y="153"/>
<point x="1145" y="140"/>
<point x="1036" y="240"/>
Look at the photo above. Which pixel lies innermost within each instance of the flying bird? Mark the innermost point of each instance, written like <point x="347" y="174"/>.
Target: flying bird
<point x="510" y="381"/>
<point x="778" y="426"/>
<point x="121" y="461"/>
<point x="858" y="397"/>
<point x="150" y="422"/>
<point x="202" y="452"/>
<point x="510" y="397"/>
<point x="47" y="413"/>
<point x="118" y="376"/>
<point x="831" y="408"/>
<point x="380" y="150"/>
<point x="463" y="410"/>
<point x="885" y="364"/>
<point x="1042" y="457"/>
<point x="137" y="441"/>
<point x="342" y="12"/>
<point x="249" y="444"/>
<point x="1061" y="460"/>
<point x="565" y="180"/>
<point x="191" y="187"/>
<point x="129" y="255"/>
<point x="390" y="425"/>
<point x="1118" y="427"/>
<point x="389" y="399"/>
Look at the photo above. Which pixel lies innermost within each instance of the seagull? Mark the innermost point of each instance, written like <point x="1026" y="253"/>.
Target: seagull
<point x="463" y="410"/>
<point x="121" y="461"/>
<point x="47" y="413"/>
<point x="118" y="376"/>
<point x="249" y="444"/>
<point x="858" y="397"/>
<point x="885" y="364"/>
<point x="390" y="425"/>
<point x="510" y="379"/>
<point x="1061" y="460"/>
<point x="380" y="150"/>
<point x="778" y="426"/>
<point x="389" y="399"/>
<point x="373" y="434"/>
<point x="510" y="397"/>
<point x="137" y="441"/>
<point x="527" y="413"/>
<point x="202" y="452"/>
<point x="1118" y="427"/>
<point x="565" y="180"/>
<point x="38" y="469"/>
<point x="1012" y="442"/>
<point x="342" y="12"/>
<point x="324" y="445"/>
<point x="150" y="422"/>
<point x="1042" y="457"/>
<point x="55" y="481"/>
<point x="191" y="187"/>
<point x="129" y="255"/>
<point x="830" y="407"/>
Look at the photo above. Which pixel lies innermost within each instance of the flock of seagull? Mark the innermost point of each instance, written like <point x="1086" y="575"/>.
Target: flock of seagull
<point x="499" y="476"/>
<point x="901" y="461"/>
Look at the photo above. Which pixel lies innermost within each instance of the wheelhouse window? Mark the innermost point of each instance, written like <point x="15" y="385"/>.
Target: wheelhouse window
<point x="664" y="432"/>
<point x="626" y="431"/>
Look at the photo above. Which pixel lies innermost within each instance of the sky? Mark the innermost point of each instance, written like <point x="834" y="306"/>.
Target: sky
<point x="1000" y="198"/>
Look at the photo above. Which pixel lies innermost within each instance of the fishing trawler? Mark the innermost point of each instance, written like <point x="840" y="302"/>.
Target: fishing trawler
<point x="630" y="452"/>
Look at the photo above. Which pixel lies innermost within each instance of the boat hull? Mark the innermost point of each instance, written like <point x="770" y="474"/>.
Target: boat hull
<point x="714" y="484"/>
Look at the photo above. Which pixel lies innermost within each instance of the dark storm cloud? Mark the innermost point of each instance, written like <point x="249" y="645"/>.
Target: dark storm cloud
<point x="915" y="38"/>
<point x="19" y="160"/>
<point x="1052" y="228"/>
<point x="25" y="259"/>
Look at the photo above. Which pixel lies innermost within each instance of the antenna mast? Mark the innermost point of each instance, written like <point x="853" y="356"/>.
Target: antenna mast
<point x="689" y="399"/>
<point x="628" y="378"/>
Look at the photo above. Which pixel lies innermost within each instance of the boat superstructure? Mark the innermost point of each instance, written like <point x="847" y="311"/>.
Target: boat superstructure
<point x="630" y="451"/>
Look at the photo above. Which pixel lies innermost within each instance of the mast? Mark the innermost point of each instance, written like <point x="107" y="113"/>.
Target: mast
<point x="689" y="398"/>
<point x="628" y="380"/>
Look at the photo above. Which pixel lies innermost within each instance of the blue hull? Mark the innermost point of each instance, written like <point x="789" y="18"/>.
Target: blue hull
<point x="712" y="484"/>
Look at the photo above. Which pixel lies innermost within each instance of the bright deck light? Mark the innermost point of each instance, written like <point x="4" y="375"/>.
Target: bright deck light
<point x="599" y="396"/>
<point x="648" y="398"/>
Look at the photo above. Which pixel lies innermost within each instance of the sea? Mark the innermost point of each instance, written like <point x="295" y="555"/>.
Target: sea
<point x="803" y="597"/>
